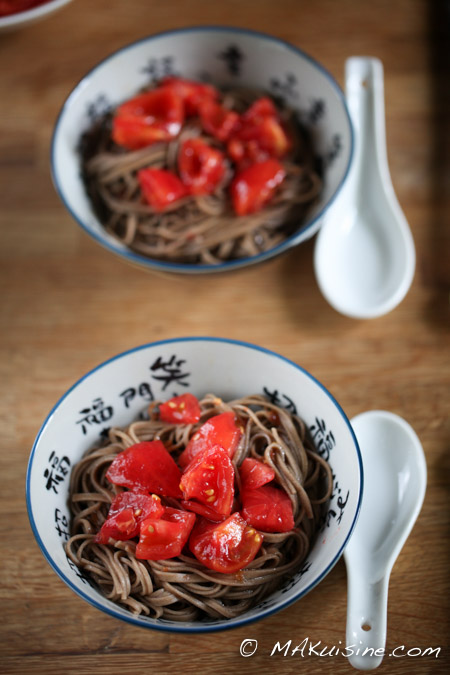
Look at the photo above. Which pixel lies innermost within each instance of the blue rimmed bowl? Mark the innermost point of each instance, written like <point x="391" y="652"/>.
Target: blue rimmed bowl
<point x="225" y="57"/>
<point x="26" y="17"/>
<point x="117" y="391"/>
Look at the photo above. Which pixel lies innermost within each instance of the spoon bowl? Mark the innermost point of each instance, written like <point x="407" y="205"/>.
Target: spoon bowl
<point x="395" y="481"/>
<point x="364" y="255"/>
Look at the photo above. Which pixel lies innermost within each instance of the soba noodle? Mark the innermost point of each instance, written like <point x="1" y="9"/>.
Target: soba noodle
<point x="181" y="588"/>
<point x="197" y="229"/>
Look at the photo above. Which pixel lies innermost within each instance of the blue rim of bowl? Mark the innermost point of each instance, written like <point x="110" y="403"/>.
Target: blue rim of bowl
<point x="228" y="265"/>
<point x="202" y="627"/>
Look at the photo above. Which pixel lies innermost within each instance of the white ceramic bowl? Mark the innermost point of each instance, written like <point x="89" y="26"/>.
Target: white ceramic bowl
<point x="225" y="57"/>
<point x="22" y="19"/>
<point x="116" y="392"/>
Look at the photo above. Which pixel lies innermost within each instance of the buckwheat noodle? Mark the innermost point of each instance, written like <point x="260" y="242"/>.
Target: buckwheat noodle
<point x="182" y="589"/>
<point x="199" y="229"/>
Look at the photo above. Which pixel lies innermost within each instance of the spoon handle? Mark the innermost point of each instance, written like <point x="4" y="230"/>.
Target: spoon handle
<point x="366" y="620"/>
<point x="364" y="84"/>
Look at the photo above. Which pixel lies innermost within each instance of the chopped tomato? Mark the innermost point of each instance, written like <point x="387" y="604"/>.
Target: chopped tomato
<point x="225" y="547"/>
<point x="218" y="430"/>
<point x="272" y="137"/>
<point x="184" y="409"/>
<point x="156" y="115"/>
<point x="259" y="140"/>
<point x="146" y="466"/>
<point x="127" y="511"/>
<point x="262" y="107"/>
<point x="217" y="120"/>
<point x="254" y="186"/>
<point x="209" y="479"/>
<point x="267" y="508"/>
<point x="262" y="124"/>
<point x="201" y="167"/>
<point x="160" y="188"/>
<point x="245" y="153"/>
<point x="165" y="537"/>
<point x="156" y="105"/>
<point x="259" y="136"/>
<point x="254" y="473"/>
<point x="202" y="510"/>
<point x="133" y="132"/>
<point x="236" y="149"/>
<point x="192" y="93"/>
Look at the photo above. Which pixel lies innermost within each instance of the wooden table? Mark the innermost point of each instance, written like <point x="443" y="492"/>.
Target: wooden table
<point x="67" y="305"/>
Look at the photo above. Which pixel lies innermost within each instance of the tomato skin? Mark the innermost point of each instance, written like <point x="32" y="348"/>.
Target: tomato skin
<point x="268" y="509"/>
<point x="160" y="188"/>
<point x="127" y="511"/>
<point x="165" y="537"/>
<point x="218" y="430"/>
<point x="268" y="134"/>
<point x="184" y="409"/>
<point x="201" y="167"/>
<point x="209" y="479"/>
<point x="245" y="153"/>
<point x="254" y="186"/>
<point x="225" y="547"/>
<point x="146" y="466"/>
<point x="192" y="93"/>
<point x="152" y="117"/>
<point x="259" y="109"/>
<point x="236" y="149"/>
<point x="254" y="473"/>
<point x="259" y="136"/>
<point x="202" y="510"/>
<point x="217" y="120"/>
<point x="132" y="132"/>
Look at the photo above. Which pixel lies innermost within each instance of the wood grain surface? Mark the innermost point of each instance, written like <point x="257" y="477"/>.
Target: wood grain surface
<point x="66" y="305"/>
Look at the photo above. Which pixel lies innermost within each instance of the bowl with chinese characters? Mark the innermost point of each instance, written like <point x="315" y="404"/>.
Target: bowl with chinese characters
<point x="119" y="391"/>
<point x="231" y="60"/>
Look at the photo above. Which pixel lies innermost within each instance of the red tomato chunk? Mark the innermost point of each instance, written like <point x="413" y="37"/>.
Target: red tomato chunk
<point x="201" y="166"/>
<point x="165" y="537"/>
<point x="225" y="547"/>
<point x="259" y="109"/>
<point x="191" y="93"/>
<point x="202" y="510"/>
<point x="245" y="153"/>
<point x="254" y="473"/>
<point x="127" y="511"/>
<point x="217" y="120"/>
<point x="146" y="466"/>
<point x="268" y="134"/>
<point x="152" y="117"/>
<point x="161" y="188"/>
<point x="259" y="136"/>
<point x="268" y="508"/>
<point x="209" y="479"/>
<point x="184" y="409"/>
<point x="218" y="430"/>
<point x="253" y="187"/>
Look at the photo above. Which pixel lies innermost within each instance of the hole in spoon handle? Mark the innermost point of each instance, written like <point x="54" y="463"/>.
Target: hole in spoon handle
<point x="363" y="72"/>
<point x="366" y="621"/>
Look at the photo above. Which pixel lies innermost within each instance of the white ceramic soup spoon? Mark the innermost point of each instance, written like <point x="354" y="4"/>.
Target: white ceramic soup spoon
<point x="395" y="477"/>
<point x="364" y="255"/>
